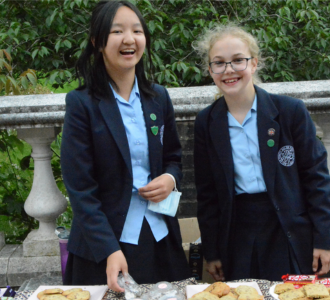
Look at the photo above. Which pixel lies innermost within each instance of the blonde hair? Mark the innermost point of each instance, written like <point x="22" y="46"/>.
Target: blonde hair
<point x="207" y="40"/>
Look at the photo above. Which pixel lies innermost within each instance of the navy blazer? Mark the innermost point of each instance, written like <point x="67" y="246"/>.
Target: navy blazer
<point x="97" y="171"/>
<point x="294" y="169"/>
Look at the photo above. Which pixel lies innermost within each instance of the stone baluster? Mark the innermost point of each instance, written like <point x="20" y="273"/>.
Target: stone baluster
<point x="45" y="202"/>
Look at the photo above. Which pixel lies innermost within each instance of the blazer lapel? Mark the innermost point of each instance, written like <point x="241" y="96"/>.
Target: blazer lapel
<point x="266" y="122"/>
<point x="151" y="106"/>
<point x="219" y="133"/>
<point x="111" y="114"/>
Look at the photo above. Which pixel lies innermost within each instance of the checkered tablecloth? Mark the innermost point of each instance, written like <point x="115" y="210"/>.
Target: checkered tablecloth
<point x="264" y="286"/>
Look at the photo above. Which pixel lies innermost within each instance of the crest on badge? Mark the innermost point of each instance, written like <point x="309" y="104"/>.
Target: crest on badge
<point x="286" y="156"/>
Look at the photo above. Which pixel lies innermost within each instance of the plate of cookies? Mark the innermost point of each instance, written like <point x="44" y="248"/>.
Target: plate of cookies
<point x="287" y="291"/>
<point x="44" y="292"/>
<point x="225" y="291"/>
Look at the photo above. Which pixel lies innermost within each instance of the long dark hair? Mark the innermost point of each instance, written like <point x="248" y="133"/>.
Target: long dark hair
<point x="90" y="65"/>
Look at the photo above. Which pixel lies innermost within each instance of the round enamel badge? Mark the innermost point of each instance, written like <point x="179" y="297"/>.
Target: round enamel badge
<point x="286" y="156"/>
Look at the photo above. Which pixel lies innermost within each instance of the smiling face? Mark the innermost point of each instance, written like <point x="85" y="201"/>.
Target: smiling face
<point x="233" y="84"/>
<point x="126" y="43"/>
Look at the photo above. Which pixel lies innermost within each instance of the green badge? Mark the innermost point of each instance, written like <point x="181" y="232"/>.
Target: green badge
<point x="154" y="130"/>
<point x="270" y="143"/>
<point x="153" y="117"/>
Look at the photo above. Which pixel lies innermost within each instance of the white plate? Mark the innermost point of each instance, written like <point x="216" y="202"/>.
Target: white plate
<point x="191" y="290"/>
<point x="97" y="292"/>
<point x="271" y="291"/>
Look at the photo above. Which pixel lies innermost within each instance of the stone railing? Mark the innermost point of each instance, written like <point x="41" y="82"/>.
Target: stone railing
<point x="38" y="119"/>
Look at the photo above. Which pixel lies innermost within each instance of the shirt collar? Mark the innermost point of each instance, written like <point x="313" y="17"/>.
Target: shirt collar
<point x="254" y="105"/>
<point x="232" y="122"/>
<point x="135" y="93"/>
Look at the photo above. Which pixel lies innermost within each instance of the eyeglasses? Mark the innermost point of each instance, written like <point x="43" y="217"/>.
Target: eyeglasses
<point x="238" y="64"/>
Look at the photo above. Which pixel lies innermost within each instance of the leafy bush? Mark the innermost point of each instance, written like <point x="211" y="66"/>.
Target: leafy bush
<point x="49" y="35"/>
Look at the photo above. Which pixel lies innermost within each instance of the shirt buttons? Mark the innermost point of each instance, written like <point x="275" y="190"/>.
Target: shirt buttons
<point x="288" y="234"/>
<point x="142" y="202"/>
<point x="133" y="120"/>
<point x="137" y="142"/>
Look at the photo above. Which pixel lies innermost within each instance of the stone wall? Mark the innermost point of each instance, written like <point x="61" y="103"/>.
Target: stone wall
<point x="188" y="205"/>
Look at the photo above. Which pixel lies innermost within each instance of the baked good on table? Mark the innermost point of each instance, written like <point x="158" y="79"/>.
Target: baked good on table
<point x="53" y="291"/>
<point x="204" y="296"/>
<point x="218" y="288"/>
<point x="42" y="293"/>
<point x="247" y="290"/>
<point x="222" y="291"/>
<point x="82" y="295"/>
<point x="292" y="295"/>
<point x="230" y="296"/>
<point x="315" y="290"/>
<point x="283" y="287"/>
<point x="53" y="297"/>
<point x="59" y="294"/>
<point x="67" y="292"/>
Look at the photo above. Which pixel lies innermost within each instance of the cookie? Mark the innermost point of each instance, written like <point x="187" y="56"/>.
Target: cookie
<point x="67" y="292"/>
<point x="283" y="287"/>
<point x="250" y="297"/>
<point x="246" y="289"/>
<point x="42" y="293"/>
<point x="54" y="297"/>
<point x="292" y="295"/>
<point x="53" y="291"/>
<point x="232" y="290"/>
<point x="204" y="296"/>
<point x="218" y="288"/>
<point x="82" y="295"/>
<point x="316" y="290"/>
<point x="230" y="296"/>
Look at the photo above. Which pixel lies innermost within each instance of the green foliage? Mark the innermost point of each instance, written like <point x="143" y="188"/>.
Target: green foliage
<point x="9" y="85"/>
<point x="49" y="35"/>
<point x="15" y="184"/>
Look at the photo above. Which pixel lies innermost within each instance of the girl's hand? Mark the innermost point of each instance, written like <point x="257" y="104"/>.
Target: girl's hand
<point x="116" y="262"/>
<point x="158" y="189"/>
<point x="324" y="257"/>
<point x="215" y="269"/>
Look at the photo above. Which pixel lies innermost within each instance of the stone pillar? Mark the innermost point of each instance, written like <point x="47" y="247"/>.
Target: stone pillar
<point x="2" y="240"/>
<point x="323" y="121"/>
<point x="45" y="202"/>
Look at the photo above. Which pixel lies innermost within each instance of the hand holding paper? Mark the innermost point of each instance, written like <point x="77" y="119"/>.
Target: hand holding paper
<point x="158" y="189"/>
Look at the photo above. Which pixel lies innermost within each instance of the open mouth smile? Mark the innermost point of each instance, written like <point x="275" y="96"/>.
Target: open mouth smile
<point x="127" y="52"/>
<point x="231" y="80"/>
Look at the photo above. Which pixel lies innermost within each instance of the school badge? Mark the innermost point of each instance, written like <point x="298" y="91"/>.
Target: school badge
<point x="286" y="156"/>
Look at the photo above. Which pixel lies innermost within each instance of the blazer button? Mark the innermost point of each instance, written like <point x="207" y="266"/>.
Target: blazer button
<point x="277" y="208"/>
<point x="288" y="234"/>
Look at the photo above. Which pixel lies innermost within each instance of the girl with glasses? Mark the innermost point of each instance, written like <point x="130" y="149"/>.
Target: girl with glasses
<point x="120" y="150"/>
<point x="263" y="186"/>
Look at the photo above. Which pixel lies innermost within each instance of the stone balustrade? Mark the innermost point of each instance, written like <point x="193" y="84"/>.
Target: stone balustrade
<point x="38" y="119"/>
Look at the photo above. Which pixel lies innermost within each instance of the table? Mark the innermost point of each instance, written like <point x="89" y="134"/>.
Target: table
<point x="264" y="286"/>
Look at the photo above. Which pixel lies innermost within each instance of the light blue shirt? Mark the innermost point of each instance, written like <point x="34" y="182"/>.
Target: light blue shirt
<point x="246" y="155"/>
<point x="136" y="132"/>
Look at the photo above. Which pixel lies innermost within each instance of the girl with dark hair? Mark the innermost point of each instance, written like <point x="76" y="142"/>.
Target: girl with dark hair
<point x="120" y="150"/>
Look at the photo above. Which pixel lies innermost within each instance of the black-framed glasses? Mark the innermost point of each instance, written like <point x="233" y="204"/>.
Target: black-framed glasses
<point x="237" y="64"/>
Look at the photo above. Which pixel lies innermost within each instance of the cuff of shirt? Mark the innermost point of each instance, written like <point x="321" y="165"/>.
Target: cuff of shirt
<point x="175" y="189"/>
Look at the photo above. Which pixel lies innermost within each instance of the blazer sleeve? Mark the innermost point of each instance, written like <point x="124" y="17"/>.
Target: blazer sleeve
<point x="207" y="197"/>
<point x="77" y="162"/>
<point x="171" y="144"/>
<point x="311" y="157"/>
